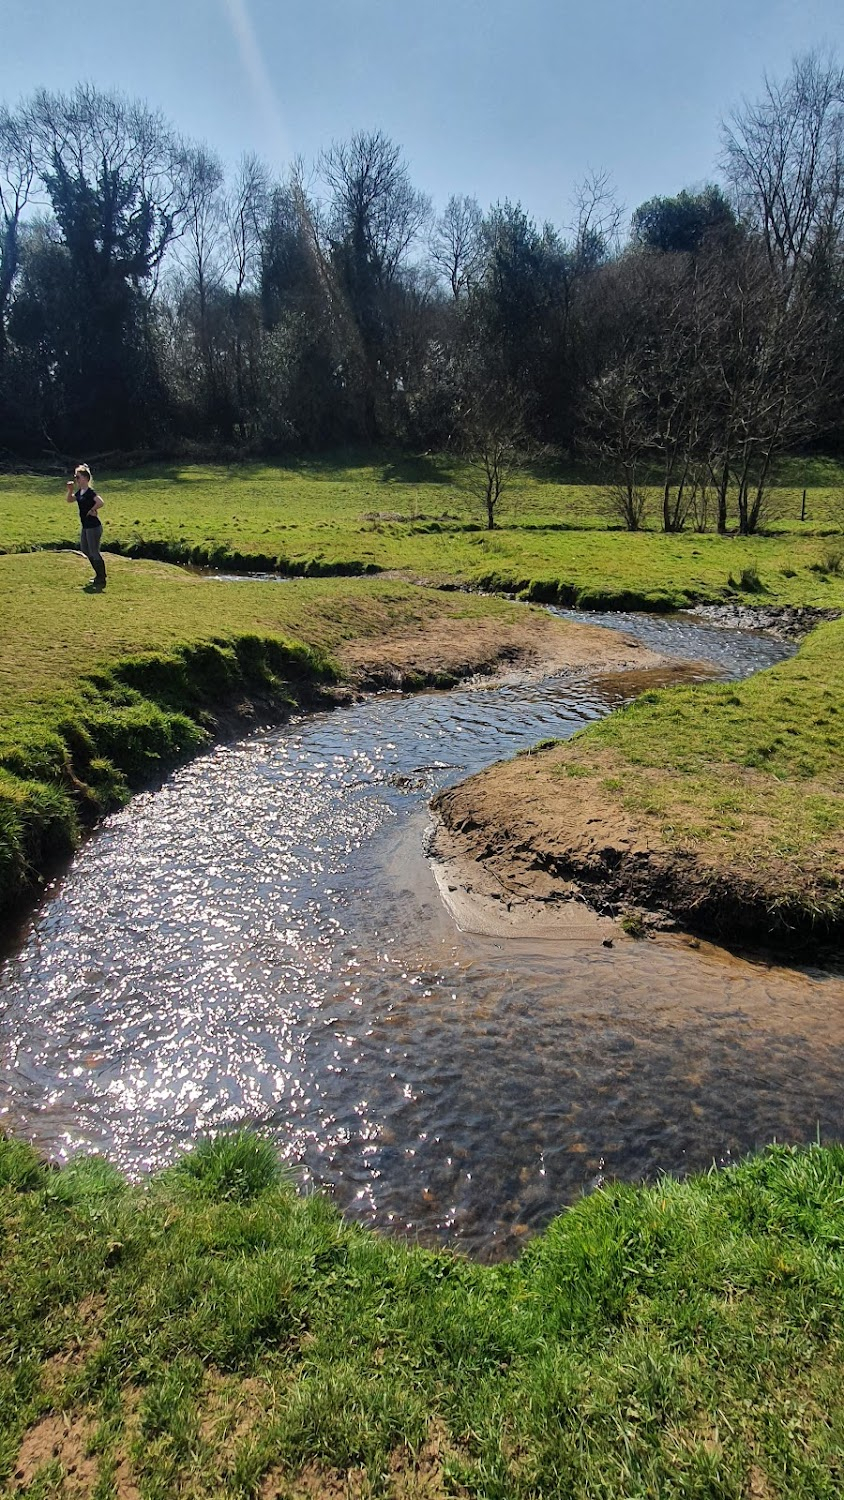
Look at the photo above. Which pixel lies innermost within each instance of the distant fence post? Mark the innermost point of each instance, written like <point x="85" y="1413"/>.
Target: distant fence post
<point x="803" y="507"/>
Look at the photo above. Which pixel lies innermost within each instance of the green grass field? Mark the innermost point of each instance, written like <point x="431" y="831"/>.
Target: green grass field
<point x="422" y="517"/>
<point x="211" y="1334"/>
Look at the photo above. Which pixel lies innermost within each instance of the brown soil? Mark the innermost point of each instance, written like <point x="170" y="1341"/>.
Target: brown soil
<point x="442" y="650"/>
<point x="412" y="1476"/>
<point x="62" y="1440"/>
<point x="547" y="838"/>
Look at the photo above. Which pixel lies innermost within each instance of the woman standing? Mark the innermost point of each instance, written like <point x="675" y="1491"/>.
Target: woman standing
<point x="90" y="503"/>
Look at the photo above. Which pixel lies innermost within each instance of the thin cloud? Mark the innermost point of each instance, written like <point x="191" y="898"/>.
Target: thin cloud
<point x="258" y="79"/>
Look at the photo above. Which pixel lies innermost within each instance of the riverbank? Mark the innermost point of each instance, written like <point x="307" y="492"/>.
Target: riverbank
<point x="102" y="693"/>
<point x="211" y="1332"/>
<point x="717" y="806"/>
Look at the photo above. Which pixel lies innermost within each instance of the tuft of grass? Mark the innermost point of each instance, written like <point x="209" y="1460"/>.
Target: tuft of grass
<point x="231" y="1167"/>
<point x="749" y="581"/>
<point x="21" y="1168"/>
<point x="633" y="923"/>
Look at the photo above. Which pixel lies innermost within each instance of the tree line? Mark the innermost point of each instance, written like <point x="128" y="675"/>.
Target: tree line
<point x="151" y="301"/>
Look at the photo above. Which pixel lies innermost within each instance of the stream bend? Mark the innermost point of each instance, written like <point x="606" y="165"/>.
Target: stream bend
<point x="262" y="941"/>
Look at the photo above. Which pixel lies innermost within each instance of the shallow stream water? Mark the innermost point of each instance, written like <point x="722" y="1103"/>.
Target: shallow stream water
<point x="261" y="940"/>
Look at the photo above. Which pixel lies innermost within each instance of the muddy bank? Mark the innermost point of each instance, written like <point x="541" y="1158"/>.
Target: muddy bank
<point x="522" y="835"/>
<point x="439" y="653"/>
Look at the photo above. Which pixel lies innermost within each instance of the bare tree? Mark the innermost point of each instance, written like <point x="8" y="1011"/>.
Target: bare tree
<point x="17" y="177"/>
<point x="495" y="447"/>
<point x="784" y="156"/>
<point x="765" y="365"/>
<point x="374" y="212"/>
<point x="371" y="220"/>
<point x="202" y="252"/>
<point x="244" y="212"/>
<point x="598" y="216"/>
<point x="619" y="437"/>
<point x="492" y="433"/>
<point x="672" y="375"/>
<point x="456" y="244"/>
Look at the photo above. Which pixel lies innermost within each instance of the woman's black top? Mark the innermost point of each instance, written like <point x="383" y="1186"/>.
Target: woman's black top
<point x="85" y="499"/>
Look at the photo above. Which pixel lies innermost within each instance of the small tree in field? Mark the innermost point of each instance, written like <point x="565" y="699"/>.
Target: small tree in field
<point x="493" y="439"/>
<point x="620" y="438"/>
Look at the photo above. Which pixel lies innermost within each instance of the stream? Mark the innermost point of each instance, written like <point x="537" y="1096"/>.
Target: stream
<point x="261" y="941"/>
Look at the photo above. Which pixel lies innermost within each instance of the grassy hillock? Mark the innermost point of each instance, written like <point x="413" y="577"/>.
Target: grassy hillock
<point x="211" y="1333"/>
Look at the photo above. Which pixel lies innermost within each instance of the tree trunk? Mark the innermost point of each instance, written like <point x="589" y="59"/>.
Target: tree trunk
<point x="722" y="485"/>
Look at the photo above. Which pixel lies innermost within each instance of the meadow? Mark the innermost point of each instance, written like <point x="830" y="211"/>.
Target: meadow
<point x="422" y="517"/>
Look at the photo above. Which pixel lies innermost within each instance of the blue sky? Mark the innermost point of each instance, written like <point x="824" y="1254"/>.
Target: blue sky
<point x="491" y="97"/>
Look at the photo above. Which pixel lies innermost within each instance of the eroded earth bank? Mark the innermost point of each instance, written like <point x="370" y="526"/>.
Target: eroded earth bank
<point x="716" y="806"/>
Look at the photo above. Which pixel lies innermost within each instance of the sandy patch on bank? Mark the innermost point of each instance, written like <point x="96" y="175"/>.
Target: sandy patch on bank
<point x="533" y="833"/>
<point x="540" y="835"/>
<point x="458" y="648"/>
<point x="484" y="898"/>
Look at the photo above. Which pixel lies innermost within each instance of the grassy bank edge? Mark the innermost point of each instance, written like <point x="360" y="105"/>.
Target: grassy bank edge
<point x="209" y="1331"/>
<point x="130" y="722"/>
<point x="524" y="579"/>
<point x="720" y="804"/>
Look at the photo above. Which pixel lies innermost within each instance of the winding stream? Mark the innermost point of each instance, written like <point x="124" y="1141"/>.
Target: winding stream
<point x="262" y="940"/>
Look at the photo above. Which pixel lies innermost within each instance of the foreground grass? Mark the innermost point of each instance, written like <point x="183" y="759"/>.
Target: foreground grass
<point x="100" y="693"/>
<point x="210" y="1333"/>
<point x="422" y="516"/>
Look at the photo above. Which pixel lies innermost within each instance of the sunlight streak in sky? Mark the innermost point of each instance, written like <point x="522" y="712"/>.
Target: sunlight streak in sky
<point x="276" y="148"/>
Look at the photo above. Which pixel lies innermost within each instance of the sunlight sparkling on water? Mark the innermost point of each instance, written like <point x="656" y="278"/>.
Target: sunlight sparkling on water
<point x="261" y="940"/>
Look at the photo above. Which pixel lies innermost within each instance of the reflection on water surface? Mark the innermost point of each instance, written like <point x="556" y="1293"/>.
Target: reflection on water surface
<point x="262" y="940"/>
